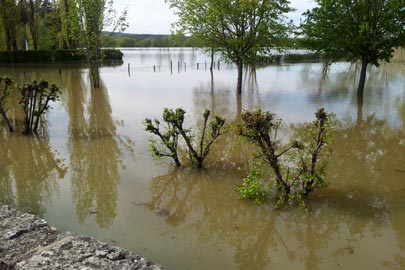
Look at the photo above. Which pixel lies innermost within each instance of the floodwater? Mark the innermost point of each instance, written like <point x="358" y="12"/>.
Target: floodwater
<point x="91" y="172"/>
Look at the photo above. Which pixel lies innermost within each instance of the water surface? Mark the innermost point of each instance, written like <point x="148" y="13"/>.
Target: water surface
<point x="91" y="171"/>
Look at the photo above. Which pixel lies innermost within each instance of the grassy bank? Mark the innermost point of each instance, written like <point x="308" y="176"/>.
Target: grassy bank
<point x="55" y="56"/>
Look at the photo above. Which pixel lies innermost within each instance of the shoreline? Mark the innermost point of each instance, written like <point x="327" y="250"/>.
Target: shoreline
<point x="28" y="242"/>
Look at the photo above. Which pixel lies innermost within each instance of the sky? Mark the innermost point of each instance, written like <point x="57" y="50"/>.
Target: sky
<point x="155" y="16"/>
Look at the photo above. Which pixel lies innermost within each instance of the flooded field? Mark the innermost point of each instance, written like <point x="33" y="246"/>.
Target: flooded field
<point x="93" y="173"/>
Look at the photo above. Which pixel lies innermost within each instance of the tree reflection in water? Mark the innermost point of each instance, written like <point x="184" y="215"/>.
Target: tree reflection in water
<point x="29" y="168"/>
<point x="96" y="151"/>
<point x="361" y="207"/>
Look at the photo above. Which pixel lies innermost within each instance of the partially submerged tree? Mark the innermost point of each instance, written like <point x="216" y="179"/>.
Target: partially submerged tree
<point x="5" y="87"/>
<point x="35" y="102"/>
<point x="297" y="167"/>
<point x="95" y="16"/>
<point x="365" y="30"/>
<point x="169" y="137"/>
<point x="239" y="29"/>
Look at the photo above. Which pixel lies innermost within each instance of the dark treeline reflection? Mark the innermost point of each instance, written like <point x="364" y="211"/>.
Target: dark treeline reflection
<point x="29" y="170"/>
<point x="96" y="153"/>
<point x="362" y="205"/>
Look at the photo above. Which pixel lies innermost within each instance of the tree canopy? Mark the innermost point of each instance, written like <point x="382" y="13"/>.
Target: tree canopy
<point x="238" y="28"/>
<point x="365" y="30"/>
<point x="58" y="24"/>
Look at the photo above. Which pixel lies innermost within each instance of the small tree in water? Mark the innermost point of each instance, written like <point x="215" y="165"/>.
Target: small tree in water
<point x="35" y="98"/>
<point x="169" y="137"/>
<point x="298" y="167"/>
<point x="6" y="92"/>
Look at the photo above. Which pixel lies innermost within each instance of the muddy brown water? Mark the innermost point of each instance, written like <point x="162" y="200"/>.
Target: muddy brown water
<point x="91" y="171"/>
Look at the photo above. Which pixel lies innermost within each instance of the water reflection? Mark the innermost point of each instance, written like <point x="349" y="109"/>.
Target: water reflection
<point x="96" y="156"/>
<point x="214" y="96"/>
<point x="359" y="210"/>
<point x="29" y="168"/>
<point x="359" y="216"/>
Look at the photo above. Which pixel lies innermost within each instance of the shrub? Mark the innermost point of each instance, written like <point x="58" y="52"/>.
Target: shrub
<point x="252" y="188"/>
<point x="169" y="136"/>
<point x="298" y="167"/>
<point x="35" y="98"/>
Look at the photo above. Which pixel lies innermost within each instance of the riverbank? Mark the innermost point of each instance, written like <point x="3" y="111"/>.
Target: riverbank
<point x="28" y="242"/>
<point x="56" y="56"/>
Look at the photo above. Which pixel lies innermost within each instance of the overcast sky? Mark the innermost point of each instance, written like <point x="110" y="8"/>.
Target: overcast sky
<point x="155" y="17"/>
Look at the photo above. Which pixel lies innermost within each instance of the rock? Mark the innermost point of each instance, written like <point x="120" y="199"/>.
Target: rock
<point x="29" y="243"/>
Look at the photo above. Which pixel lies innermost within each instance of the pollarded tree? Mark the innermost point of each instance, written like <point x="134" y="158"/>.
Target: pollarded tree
<point x="237" y="28"/>
<point x="365" y="30"/>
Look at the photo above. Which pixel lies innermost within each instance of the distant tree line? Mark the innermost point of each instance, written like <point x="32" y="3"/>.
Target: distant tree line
<point x="147" y="40"/>
<point x="126" y="40"/>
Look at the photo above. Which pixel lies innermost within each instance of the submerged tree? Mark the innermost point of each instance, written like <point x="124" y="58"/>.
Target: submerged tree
<point x="365" y="30"/>
<point x="169" y="137"/>
<point x="95" y="16"/>
<point x="239" y="29"/>
<point x="35" y="102"/>
<point x="297" y="167"/>
<point x="6" y="92"/>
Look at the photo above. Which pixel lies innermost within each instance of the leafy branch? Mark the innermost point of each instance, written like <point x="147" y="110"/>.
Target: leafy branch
<point x="174" y="129"/>
<point x="298" y="167"/>
<point x="35" y="98"/>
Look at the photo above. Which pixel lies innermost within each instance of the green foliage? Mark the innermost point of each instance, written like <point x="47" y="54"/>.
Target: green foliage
<point x="173" y="130"/>
<point x="9" y="14"/>
<point x="298" y="167"/>
<point x="127" y="42"/>
<point x="365" y="30"/>
<point x="35" y="98"/>
<point x="169" y="139"/>
<point x="239" y="29"/>
<point x="252" y="188"/>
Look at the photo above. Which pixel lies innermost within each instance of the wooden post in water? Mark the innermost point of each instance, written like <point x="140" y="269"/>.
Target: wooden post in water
<point x="198" y="65"/>
<point x="129" y="69"/>
<point x="154" y="68"/>
<point x="178" y="66"/>
<point x="171" y="67"/>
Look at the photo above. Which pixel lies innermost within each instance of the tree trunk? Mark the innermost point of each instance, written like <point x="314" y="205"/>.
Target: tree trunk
<point x="240" y="74"/>
<point x="33" y="24"/>
<point x="3" y="113"/>
<point x="212" y="59"/>
<point x="363" y="75"/>
<point x="359" y="109"/>
<point x="95" y="73"/>
<point x="238" y="107"/>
